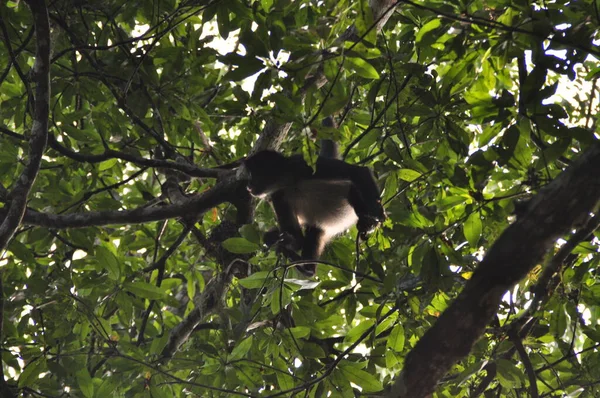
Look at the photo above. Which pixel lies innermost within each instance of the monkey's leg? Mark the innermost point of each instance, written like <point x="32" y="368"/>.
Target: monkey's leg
<point x="289" y="228"/>
<point x="315" y="240"/>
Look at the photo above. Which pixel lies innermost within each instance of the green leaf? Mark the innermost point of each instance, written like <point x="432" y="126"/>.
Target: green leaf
<point x="449" y="202"/>
<point x="312" y="350"/>
<point x="333" y="104"/>
<point x="509" y="375"/>
<point x="556" y="150"/>
<point x="471" y="370"/>
<point x="106" y="388"/>
<point x="428" y="27"/>
<point x="301" y="284"/>
<point x="366" y="381"/>
<point x="75" y="116"/>
<point x="223" y="21"/>
<point x="21" y="251"/>
<point x="300" y="332"/>
<point x="351" y="305"/>
<point x="250" y="232"/>
<point x="396" y="339"/>
<point x="84" y="380"/>
<point x="108" y="261"/>
<point x="257" y="280"/>
<point x="107" y="164"/>
<point x="559" y="320"/>
<point x="12" y="90"/>
<point x="472" y="228"/>
<point x="243" y="66"/>
<point x="241" y="349"/>
<point x="77" y="134"/>
<point x="362" y="67"/>
<point x="160" y="391"/>
<point x="240" y="246"/>
<point x="144" y="290"/>
<point x="30" y="374"/>
<point x="358" y="330"/>
<point x="266" y="4"/>
<point x="280" y="299"/>
<point x="285" y="381"/>
<point x="408" y="174"/>
<point x="391" y="359"/>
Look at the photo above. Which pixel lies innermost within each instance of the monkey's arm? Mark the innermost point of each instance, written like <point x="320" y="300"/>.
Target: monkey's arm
<point x="369" y="217"/>
<point x="364" y="182"/>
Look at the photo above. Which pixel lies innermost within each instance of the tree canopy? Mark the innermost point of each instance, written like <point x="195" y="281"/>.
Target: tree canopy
<point x="131" y="254"/>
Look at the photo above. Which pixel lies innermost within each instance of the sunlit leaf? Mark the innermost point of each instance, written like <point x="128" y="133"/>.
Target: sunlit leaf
<point x="472" y="228"/>
<point x="144" y="290"/>
<point x="363" y="379"/>
<point x="240" y="245"/>
<point x="362" y="67"/>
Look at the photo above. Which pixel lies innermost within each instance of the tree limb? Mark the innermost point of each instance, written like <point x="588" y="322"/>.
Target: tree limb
<point x="209" y="301"/>
<point x="220" y="193"/>
<point x="562" y="204"/>
<point x="39" y="129"/>
<point x="516" y="340"/>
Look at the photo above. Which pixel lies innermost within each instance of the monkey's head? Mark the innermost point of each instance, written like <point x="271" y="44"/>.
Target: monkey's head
<point x="267" y="172"/>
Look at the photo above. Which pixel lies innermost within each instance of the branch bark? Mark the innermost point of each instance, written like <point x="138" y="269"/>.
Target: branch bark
<point x="5" y="390"/>
<point x="223" y="191"/>
<point x="558" y="208"/>
<point x="207" y="303"/>
<point x="39" y="129"/>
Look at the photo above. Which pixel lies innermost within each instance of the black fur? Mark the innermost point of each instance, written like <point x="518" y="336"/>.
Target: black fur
<point x="325" y="202"/>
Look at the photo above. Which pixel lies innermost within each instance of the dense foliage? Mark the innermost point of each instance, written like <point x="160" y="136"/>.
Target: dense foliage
<point x="462" y="109"/>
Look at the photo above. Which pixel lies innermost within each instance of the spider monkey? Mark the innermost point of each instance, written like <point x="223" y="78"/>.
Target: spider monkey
<point x="325" y="202"/>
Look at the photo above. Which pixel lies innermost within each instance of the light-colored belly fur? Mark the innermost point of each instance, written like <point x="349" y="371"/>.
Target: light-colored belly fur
<point x="323" y="203"/>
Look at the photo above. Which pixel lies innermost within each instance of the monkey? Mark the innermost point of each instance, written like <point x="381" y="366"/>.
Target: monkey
<point x="325" y="202"/>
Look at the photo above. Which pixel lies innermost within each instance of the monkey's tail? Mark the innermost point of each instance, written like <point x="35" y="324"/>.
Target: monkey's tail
<point x="329" y="149"/>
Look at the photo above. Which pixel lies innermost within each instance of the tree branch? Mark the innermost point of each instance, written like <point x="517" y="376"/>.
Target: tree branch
<point x="160" y="266"/>
<point x="39" y="130"/>
<point x="209" y="301"/>
<point x="516" y="340"/>
<point x="187" y="168"/>
<point x="223" y="191"/>
<point x="563" y="203"/>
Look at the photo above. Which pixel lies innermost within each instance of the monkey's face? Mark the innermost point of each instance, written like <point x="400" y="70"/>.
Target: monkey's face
<point x="259" y="188"/>
<point x="266" y="172"/>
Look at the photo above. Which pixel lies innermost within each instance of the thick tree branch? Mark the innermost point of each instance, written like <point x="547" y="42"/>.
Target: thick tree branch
<point x="220" y="193"/>
<point x="382" y="11"/>
<point x="209" y="301"/>
<point x="39" y="130"/>
<point x="564" y="203"/>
